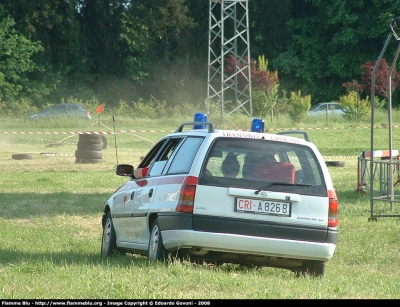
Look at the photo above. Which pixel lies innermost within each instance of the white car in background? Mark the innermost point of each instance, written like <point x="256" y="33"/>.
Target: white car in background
<point x="274" y="205"/>
<point x="326" y="109"/>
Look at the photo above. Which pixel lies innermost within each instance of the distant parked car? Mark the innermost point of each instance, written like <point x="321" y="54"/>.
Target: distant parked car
<point x="326" y="108"/>
<point x="62" y="110"/>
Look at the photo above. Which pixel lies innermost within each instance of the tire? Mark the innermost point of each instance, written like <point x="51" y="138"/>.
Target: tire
<point x="22" y="156"/>
<point x="312" y="268"/>
<point x="89" y="146"/>
<point x="105" y="142"/>
<point x="87" y="137"/>
<point x="91" y="141"/>
<point x="54" y="145"/>
<point x="156" y="251"/>
<point x="88" y="154"/>
<point x="335" y="163"/>
<point x="88" y="161"/>
<point x="109" y="239"/>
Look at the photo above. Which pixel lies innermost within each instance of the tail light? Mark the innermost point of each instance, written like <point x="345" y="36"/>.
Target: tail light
<point x="186" y="196"/>
<point x="333" y="220"/>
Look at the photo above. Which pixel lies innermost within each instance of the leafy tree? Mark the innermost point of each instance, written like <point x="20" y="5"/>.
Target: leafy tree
<point x="381" y="81"/>
<point x="64" y="63"/>
<point x="261" y="78"/>
<point x="329" y="40"/>
<point x="102" y="26"/>
<point x="381" y="78"/>
<point x="265" y="85"/>
<point x="16" y="62"/>
<point x="268" y="33"/>
<point x="164" y="20"/>
<point x="155" y="32"/>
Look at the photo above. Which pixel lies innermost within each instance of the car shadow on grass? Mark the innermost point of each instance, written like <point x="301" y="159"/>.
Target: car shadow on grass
<point x="28" y="205"/>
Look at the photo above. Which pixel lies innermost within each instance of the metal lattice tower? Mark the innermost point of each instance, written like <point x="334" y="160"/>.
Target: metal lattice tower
<point x="229" y="36"/>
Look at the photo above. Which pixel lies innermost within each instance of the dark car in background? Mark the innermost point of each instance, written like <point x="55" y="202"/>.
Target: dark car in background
<point x="63" y="110"/>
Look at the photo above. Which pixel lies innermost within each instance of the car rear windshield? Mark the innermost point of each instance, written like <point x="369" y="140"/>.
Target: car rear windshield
<point x="263" y="165"/>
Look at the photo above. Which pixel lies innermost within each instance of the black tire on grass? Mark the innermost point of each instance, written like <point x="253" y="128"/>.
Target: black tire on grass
<point x="27" y="156"/>
<point x="105" y="142"/>
<point x="335" y="163"/>
<point x="91" y="141"/>
<point x="88" y="154"/>
<point x="90" y="136"/>
<point x="89" y="146"/>
<point x="88" y="161"/>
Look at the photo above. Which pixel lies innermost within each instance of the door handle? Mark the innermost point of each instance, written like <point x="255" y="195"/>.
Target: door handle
<point x="150" y="193"/>
<point x="132" y="195"/>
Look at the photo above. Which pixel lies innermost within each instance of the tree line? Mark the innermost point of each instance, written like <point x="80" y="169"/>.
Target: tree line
<point x="127" y="50"/>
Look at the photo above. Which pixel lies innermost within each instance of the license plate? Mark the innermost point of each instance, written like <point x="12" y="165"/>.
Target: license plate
<point x="260" y="206"/>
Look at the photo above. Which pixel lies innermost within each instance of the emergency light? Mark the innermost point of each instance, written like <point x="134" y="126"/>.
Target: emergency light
<point x="257" y="125"/>
<point x="200" y="117"/>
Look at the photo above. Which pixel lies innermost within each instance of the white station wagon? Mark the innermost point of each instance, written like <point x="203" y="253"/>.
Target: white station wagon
<point x="227" y="196"/>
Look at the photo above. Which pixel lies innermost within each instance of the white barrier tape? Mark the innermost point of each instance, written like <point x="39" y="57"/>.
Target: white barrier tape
<point x="52" y="154"/>
<point x="44" y="140"/>
<point x="330" y="128"/>
<point x="82" y="132"/>
<point x="52" y="167"/>
<point x="167" y="131"/>
<point x="340" y="157"/>
<point x="36" y="132"/>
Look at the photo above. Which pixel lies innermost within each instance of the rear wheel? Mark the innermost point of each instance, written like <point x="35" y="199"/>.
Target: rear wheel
<point x="156" y="247"/>
<point x="109" y="241"/>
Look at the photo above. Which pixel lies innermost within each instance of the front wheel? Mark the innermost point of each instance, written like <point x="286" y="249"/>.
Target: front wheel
<point x="156" y="247"/>
<point x="109" y="241"/>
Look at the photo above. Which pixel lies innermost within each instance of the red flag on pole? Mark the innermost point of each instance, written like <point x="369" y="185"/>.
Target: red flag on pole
<point x="99" y="109"/>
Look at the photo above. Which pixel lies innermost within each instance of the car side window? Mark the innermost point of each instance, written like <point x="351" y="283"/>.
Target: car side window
<point x="162" y="157"/>
<point x="152" y="154"/>
<point x="183" y="159"/>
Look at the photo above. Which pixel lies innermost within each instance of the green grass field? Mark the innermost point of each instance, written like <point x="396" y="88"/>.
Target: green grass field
<point x="52" y="206"/>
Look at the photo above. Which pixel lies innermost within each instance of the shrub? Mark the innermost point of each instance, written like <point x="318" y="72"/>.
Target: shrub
<point x="18" y="108"/>
<point x="299" y="105"/>
<point x="355" y="108"/>
<point x="264" y="103"/>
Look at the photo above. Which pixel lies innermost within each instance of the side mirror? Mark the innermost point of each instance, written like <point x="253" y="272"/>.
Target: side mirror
<point x="124" y="170"/>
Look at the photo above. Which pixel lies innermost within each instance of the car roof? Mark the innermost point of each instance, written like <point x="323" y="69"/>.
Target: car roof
<point x="67" y="104"/>
<point x="242" y="134"/>
<point x="329" y="102"/>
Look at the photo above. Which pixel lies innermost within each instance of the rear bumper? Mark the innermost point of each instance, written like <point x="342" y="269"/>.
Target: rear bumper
<point x="240" y="244"/>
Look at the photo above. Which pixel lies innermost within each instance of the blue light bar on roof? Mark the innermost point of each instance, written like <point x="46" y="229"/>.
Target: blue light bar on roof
<point x="257" y="125"/>
<point x="200" y="117"/>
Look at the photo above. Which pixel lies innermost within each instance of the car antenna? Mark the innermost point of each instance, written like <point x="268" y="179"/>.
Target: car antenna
<point x="115" y="141"/>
